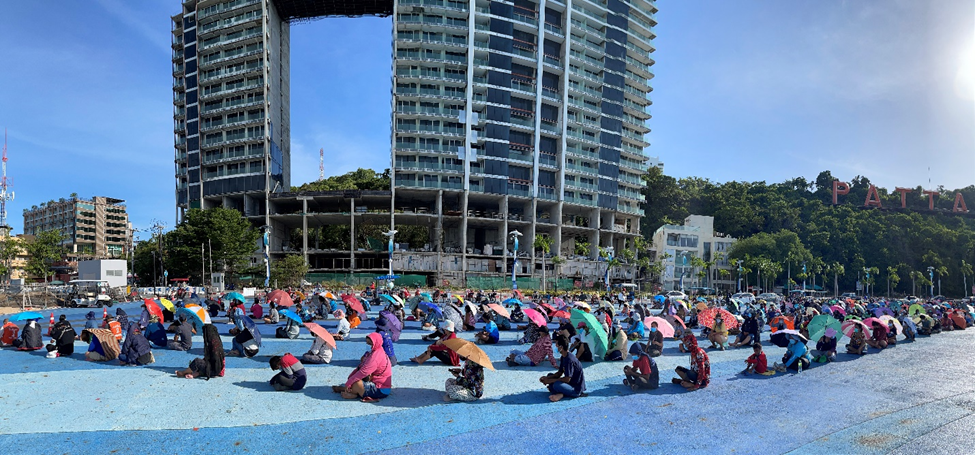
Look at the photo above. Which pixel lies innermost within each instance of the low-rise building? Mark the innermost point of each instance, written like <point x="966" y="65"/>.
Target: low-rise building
<point x="677" y="246"/>
<point x="96" y="228"/>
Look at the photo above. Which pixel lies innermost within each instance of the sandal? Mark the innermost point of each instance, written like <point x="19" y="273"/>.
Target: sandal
<point x="370" y="400"/>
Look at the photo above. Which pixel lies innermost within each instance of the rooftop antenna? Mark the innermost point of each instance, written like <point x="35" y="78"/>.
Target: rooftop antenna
<point x="4" y="185"/>
<point x="321" y="164"/>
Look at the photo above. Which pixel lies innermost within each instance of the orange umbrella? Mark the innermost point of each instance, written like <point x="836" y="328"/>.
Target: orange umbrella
<point x="469" y="351"/>
<point x="320" y="332"/>
<point x="500" y="310"/>
<point x="789" y="323"/>
<point x="153" y="308"/>
<point x="280" y="298"/>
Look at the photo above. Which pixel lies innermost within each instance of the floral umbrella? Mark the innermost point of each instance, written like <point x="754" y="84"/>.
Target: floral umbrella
<point x="706" y="318"/>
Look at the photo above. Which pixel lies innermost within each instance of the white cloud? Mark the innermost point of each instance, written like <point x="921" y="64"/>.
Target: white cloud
<point x="156" y="35"/>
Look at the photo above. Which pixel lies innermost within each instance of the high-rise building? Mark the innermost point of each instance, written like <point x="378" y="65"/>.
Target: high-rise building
<point x="92" y="228"/>
<point x="523" y="115"/>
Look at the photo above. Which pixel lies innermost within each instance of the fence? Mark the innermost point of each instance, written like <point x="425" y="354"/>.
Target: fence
<point x="364" y="279"/>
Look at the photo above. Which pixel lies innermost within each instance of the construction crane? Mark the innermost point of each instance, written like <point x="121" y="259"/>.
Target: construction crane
<point x="321" y="164"/>
<point x="5" y="195"/>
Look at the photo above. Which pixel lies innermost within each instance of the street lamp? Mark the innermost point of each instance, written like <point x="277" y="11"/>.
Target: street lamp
<point x="931" y="276"/>
<point x="738" y="263"/>
<point x="803" y="293"/>
<point x="683" y="269"/>
<point x="514" y="265"/>
<point x="390" y="234"/>
<point x="609" y="257"/>
<point x="866" y="281"/>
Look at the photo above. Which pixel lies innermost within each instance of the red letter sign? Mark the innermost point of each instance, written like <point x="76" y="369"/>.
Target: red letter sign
<point x="931" y="195"/>
<point x="903" y="192"/>
<point x="960" y="206"/>
<point x="839" y="188"/>
<point x="872" y="201"/>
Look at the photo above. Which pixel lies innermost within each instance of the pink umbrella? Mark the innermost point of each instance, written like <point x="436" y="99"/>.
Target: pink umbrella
<point x="320" y="332"/>
<point x="869" y="323"/>
<point x="500" y="310"/>
<point x="837" y="309"/>
<point x="280" y="298"/>
<point x="848" y="327"/>
<point x="536" y="317"/>
<point x="354" y="304"/>
<point x="663" y="326"/>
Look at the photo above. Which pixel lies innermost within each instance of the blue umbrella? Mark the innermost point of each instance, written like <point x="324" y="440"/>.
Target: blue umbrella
<point x="389" y="299"/>
<point x="194" y="299"/>
<point x="660" y="299"/>
<point x="431" y="307"/>
<point x="26" y="316"/>
<point x="426" y="296"/>
<point x="252" y="328"/>
<point x="290" y="315"/>
<point x="236" y="296"/>
<point x="512" y="301"/>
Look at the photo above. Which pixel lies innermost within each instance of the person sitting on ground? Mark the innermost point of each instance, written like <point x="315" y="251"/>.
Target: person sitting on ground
<point x="796" y="357"/>
<point x="582" y="344"/>
<point x="183" y="339"/>
<point x="113" y="326"/>
<point x="372" y="380"/>
<point x="438" y="349"/>
<point x="257" y="311"/>
<point x="490" y="334"/>
<point x="244" y="342"/>
<point x="531" y="333"/>
<point x="30" y="337"/>
<point x="618" y="347"/>
<point x="155" y="332"/>
<point x="144" y="318"/>
<point x="10" y="333"/>
<point x="213" y="308"/>
<point x="292" y="375"/>
<point x="517" y="314"/>
<point x="699" y="375"/>
<point x="136" y="349"/>
<point x="91" y="321"/>
<point x="826" y="347"/>
<point x="947" y="324"/>
<point x="344" y="327"/>
<point x="273" y="317"/>
<point x="655" y="341"/>
<point x="927" y="325"/>
<point x="502" y="322"/>
<point x="637" y="329"/>
<point x="102" y="345"/>
<point x="319" y="353"/>
<point x="719" y="333"/>
<point x="470" y="318"/>
<point x="644" y="373"/>
<point x="467" y="383"/>
<point x="536" y="354"/>
<point x="214" y="362"/>
<point x="910" y="328"/>
<point x="290" y="330"/>
<point x="756" y="363"/>
<point x="569" y="381"/>
<point x="858" y="342"/>
<point x="878" y="339"/>
<point x="354" y="319"/>
<point x="62" y="339"/>
<point x="382" y="328"/>
<point x="123" y="319"/>
<point x="747" y="334"/>
<point x="891" y="334"/>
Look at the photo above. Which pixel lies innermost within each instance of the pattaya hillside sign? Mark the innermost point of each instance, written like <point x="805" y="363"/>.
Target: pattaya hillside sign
<point x="873" y="199"/>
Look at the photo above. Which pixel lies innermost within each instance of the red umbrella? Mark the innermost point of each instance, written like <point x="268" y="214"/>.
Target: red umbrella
<point x="706" y="318"/>
<point x="560" y="314"/>
<point x="548" y="308"/>
<point x="500" y="310"/>
<point x="663" y="326"/>
<point x="536" y="317"/>
<point x="519" y="295"/>
<point x="280" y="298"/>
<point x="774" y="323"/>
<point x="154" y="309"/>
<point x="320" y="332"/>
<point x="353" y="303"/>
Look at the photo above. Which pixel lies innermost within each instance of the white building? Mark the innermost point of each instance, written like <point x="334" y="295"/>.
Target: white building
<point x="676" y="247"/>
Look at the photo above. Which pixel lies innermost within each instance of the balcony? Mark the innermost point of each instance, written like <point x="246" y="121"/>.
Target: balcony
<point x="581" y="201"/>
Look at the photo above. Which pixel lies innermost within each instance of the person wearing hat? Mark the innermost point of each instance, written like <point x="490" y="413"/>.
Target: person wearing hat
<point x="438" y="349"/>
<point x="826" y="347"/>
<point x="581" y="344"/>
<point x="644" y="373"/>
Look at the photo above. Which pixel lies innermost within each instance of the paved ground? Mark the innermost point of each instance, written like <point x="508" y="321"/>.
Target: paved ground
<point x="911" y="398"/>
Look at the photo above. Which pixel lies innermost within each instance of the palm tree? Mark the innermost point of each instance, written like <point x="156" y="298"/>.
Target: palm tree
<point x="941" y="271"/>
<point x="543" y="242"/>
<point x="838" y="269"/>
<point x="892" y="277"/>
<point x="966" y="269"/>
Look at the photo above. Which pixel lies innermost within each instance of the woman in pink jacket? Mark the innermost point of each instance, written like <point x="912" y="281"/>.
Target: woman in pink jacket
<point x="372" y="380"/>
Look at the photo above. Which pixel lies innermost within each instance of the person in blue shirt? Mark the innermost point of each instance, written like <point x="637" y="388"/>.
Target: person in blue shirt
<point x="637" y="329"/>
<point x="796" y="354"/>
<point x="569" y="380"/>
<point x="490" y="334"/>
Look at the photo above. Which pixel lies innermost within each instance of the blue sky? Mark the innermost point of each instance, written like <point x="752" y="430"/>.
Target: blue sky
<point x="748" y="90"/>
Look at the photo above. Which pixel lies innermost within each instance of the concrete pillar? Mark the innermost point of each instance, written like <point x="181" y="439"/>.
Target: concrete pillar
<point x="352" y="235"/>
<point x="463" y="236"/>
<point x="504" y="235"/>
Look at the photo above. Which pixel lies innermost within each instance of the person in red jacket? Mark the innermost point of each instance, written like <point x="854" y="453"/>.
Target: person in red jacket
<point x="699" y="375"/>
<point x="10" y="333"/>
<point x="756" y="363"/>
<point x="439" y="350"/>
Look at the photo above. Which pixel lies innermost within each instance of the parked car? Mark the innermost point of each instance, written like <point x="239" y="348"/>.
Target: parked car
<point x="745" y="297"/>
<point x="769" y="297"/>
<point x="676" y="295"/>
<point x="849" y="295"/>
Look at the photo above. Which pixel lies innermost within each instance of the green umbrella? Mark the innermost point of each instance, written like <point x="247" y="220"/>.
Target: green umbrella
<point x="595" y="328"/>
<point x="818" y="325"/>
<point x="916" y="309"/>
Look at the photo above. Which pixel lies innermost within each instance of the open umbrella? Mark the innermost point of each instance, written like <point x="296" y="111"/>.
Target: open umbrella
<point x="26" y="316"/>
<point x="788" y="322"/>
<point x="290" y="315"/>
<point x="869" y="323"/>
<point x="706" y="318"/>
<point x="878" y="312"/>
<point x="818" y="325"/>
<point x="663" y="326"/>
<point x="511" y="302"/>
<point x="810" y="311"/>
<point x="280" y="298"/>
<point x="426" y="297"/>
<point x="535" y="316"/>
<point x="235" y="296"/>
<point x="499" y="310"/>
<point x="897" y="324"/>
<point x="320" y="332"/>
<point x="431" y="308"/>
<point x="848" y="327"/>
<point x="518" y="294"/>
<point x="197" y="313"/>
<point x="782" y="337"/>
<point x="329" y="295"/>
<point x="959" y="320"/>
<point x="167" y="305"/>
<point x="153" y="308"/>
<point x="558" y="301"/>
<point x="459" y="299"/>
<point x="916" y="309"/>
<point x="582" y="305"/>
<point x="675" y="321"/>
<point x="353" y="303"/>
<point x="701" y="306"/>
<point x="194" y="299"/>
<point x="659" y="298"/>
<point x="472" y="307"/>
<point x="252" y="328"/>
<point x="389" y="299"/>
<point x="560" y="314"/>
<point x="469" y="351"/>
<point x="549" y="308"/>
<point x="395" y="325"/>
<point x="595" y="328"/>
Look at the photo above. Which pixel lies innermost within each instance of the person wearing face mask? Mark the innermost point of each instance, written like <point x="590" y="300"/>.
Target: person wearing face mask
<point x="698" y="376"/>
<point x="858" y="343"/>
<point x="644" y="373"/>
<point x="749" y="332"/>
<point x="655" y="341"/>
<point x="719" y="334"/>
